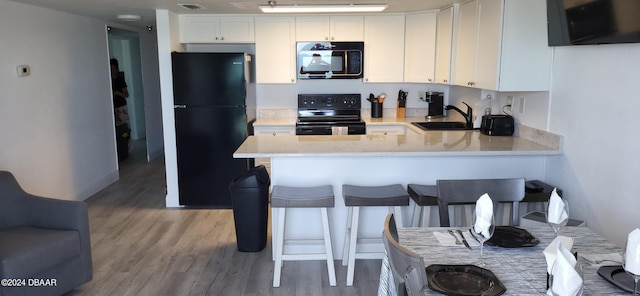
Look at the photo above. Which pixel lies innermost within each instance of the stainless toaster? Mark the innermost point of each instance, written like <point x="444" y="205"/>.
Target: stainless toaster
<point x="497" y="125"/>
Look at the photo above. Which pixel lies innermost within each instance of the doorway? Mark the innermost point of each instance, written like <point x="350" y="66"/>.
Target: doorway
<point x="124" y="46"/>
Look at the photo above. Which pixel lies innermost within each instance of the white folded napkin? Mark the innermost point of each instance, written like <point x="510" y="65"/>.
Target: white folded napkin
<point x="550" y="252"/>
<point x="556" y="213"/>
<point x="566" y="280"/>
<point x="632" y="253"/>
<point x="602" y="259"/>
<point x="484" y="215"/>
<point x="446" y="240"/>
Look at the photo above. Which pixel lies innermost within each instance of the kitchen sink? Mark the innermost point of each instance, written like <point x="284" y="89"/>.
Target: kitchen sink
<point x="441" y="125"/>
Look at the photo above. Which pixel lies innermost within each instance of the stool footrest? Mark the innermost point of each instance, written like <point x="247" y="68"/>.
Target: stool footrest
<point x="303" y="257"/>
<point x="372" y="255"/>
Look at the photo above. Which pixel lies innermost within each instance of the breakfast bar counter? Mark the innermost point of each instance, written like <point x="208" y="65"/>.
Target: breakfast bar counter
<point x="416" y="156"/>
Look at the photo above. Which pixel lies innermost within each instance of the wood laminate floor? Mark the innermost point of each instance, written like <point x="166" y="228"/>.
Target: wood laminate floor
<point x="141" y="248"/>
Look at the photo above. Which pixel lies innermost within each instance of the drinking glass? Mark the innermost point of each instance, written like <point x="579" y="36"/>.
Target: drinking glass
<point x="625" y="264"/>
<point x="482" y="233"/>
<point x="557" y="291"/>
<point x="557" y="226"/>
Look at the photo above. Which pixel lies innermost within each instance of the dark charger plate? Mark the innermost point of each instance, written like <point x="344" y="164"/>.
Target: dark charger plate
<point x="512" y="237"/>
<point x="463" y="280"/>
<point x="616" y="275"/>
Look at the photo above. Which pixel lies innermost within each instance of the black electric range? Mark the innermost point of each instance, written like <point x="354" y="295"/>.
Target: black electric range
<point x="326" y="114"/>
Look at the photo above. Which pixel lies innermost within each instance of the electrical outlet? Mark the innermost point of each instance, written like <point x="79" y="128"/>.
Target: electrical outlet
<point x="509" y="102"/>
<point x="521" y="105"/>
<point x="422" y="95"/>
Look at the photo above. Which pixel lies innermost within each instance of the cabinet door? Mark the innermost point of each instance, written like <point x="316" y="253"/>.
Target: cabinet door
<point x="384" y="48"/>
<point x="312" y="28"/>
<point x="465" y="49"/>
<point x="420" y="47"/>
<point x="199" y="29"/>
<point x="443" y="45"/>
<point x="237" y="29"/>
<point x="386" y="129"/>
<point x="347" y="28"/>
<point x="275" y="49"/>
<point x="489" y="40"/>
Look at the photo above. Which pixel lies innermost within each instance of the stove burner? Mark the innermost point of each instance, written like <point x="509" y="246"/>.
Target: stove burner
<point x="319" y="113"/>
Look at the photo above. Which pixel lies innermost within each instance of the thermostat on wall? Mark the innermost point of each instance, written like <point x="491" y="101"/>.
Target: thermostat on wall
<point x="24" y="70"/>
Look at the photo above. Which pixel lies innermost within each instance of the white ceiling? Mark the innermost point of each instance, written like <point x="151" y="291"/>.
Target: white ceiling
<point x="108" y="9"/>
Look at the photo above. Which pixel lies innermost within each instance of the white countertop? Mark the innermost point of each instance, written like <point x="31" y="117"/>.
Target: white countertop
<point x="415" y="142"/>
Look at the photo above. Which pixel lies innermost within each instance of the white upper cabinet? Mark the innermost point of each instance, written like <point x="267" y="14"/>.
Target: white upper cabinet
<point x="275" y="50"/>
<point x="502" y="45"/>
<point x="216" y="29"/>
<point x="420" y="47"/>
<point x="329" y="28"/>
<point x="465" y="49"/>
<point x="444" y="37"/>
<point x="384" y="48"/>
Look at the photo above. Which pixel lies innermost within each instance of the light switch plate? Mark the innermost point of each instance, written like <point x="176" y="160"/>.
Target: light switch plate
<point x="24" y="70"/>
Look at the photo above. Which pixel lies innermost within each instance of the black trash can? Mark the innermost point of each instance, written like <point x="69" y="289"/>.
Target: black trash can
<point x="249" y="199"/>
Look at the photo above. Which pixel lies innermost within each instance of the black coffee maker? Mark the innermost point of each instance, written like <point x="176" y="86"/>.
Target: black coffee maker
<point x="436" y="104"/>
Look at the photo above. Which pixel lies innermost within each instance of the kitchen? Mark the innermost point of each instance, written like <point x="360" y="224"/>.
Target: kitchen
<point x="279" y="99"/>
<point x="598" y="166"/>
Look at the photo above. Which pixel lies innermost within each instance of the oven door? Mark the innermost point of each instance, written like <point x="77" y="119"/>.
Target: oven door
<point x="316" y="128"/>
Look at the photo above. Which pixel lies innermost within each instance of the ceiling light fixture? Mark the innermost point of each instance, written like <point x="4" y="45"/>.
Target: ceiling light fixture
<point x="129" y="17"/>
<point x="329" y="8"/>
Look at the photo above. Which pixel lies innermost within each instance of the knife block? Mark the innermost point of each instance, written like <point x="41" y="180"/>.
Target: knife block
<point x="401" y="112"/>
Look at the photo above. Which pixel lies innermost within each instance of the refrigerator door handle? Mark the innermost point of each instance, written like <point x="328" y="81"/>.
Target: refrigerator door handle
<point x="179" y="106"/>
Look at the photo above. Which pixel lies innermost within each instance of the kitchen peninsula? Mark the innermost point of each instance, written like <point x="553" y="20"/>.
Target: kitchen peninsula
<point x="414" y="156"/>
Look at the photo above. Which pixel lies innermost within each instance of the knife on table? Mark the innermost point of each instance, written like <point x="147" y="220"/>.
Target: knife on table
<point x="464" y="241"/>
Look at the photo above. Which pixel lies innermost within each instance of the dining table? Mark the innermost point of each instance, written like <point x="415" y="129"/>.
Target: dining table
<point x="522" y="270"/>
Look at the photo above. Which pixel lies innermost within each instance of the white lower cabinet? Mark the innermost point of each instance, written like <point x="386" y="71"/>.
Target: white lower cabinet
<point x="386" y="129"/>
<point x="271" y="131"/>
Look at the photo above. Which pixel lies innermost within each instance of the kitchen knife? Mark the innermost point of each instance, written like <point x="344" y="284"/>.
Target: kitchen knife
<point x="464" y="241"/>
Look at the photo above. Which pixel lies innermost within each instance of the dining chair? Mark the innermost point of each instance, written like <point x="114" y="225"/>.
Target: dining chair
<point x="407" y="268"/>
<point x="458" y="192"/>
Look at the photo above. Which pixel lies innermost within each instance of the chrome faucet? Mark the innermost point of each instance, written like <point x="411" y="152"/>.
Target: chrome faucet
<point x="467" y="116"/>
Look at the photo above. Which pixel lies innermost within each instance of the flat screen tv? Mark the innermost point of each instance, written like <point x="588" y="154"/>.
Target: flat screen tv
<point x="582" y="22"/>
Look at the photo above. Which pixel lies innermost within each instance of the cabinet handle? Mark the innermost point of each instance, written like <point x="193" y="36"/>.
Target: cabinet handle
<point x="274" y="134"/>
<point x="326" y="38"/>
<point x="292" y="80"/>
<point x="445" y="81"/>
<point x="221" y="38"/>
<point x="217" y="38"/>
<point x="429" y="79"/>
<point x="333" y="38"/>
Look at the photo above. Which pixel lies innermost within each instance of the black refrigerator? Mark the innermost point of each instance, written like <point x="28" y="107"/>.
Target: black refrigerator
<point x="214" y="104"/>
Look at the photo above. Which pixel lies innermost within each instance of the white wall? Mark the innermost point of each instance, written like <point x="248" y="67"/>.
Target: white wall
<point x="167" y="28"/>
<point x="595" y="105"/>
<point x="56" y="125"/>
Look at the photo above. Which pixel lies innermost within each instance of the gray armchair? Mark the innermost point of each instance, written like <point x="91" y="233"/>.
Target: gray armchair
<point x="43" y="241"/>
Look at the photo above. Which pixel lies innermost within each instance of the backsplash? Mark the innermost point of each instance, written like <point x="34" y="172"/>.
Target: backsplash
<point x="539" y="136"/>
<point x="293" y="113"/>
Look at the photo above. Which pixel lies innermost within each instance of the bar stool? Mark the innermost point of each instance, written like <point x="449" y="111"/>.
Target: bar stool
<point x="367" y="196"/>
<point x="423" y="196"/>
<point x="283" y="197"/>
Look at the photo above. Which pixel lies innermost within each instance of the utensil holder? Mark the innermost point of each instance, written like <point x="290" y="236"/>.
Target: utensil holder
<point x="376" y="110"/>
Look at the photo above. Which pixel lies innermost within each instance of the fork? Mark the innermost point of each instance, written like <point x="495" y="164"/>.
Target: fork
<point x="458" y="242"/>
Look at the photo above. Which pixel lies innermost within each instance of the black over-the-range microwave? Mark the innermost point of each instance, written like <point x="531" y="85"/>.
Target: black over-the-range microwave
<point x="330" y="60"/>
